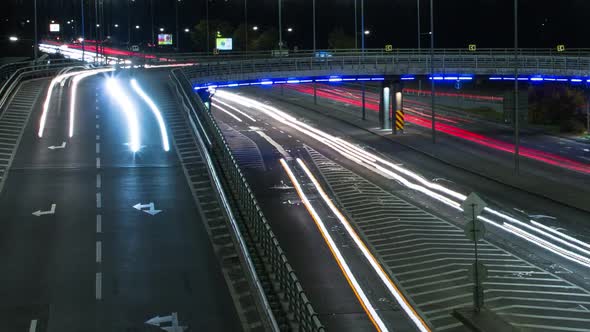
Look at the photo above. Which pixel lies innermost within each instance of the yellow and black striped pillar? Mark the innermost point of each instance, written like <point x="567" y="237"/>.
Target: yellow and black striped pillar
<point x="399" y="116"/>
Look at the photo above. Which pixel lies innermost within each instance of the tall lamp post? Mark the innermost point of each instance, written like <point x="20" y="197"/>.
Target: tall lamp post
<point x="207" y="19"/>
<point x="516" y="117"/>
<point x="432" y="92"/>
<point x="314" y="29"/>
<point x="280" y="25"/>
<point x="246" y="25"/>
<point x="35" y="47"/>
<point x="83" y="41"/>
<point x="177" y="28"/>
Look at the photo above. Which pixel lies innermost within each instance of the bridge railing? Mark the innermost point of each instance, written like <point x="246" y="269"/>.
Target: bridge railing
<point x="326" y="53"/>
<point x="30" y="70"/>
<point x="391" y="64"/>
<point x="285" y="281"/>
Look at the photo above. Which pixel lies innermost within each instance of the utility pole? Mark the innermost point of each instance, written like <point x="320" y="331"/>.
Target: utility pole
<point x="516" y="117"/>
<point x="35" y="47"/>
<point x="129" y="23"/>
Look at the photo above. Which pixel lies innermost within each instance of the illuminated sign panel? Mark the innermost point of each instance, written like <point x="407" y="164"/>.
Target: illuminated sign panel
<point x="54" y="27"/>
<point x="164" y="39"/>
<point x="224" y="44"/>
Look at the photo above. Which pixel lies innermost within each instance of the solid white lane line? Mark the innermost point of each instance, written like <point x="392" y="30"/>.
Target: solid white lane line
<point x="33" y="325"/>
<point x="274" y="143"/>
<point x="98" y="200"/>
<point x="98" y="181"/>
<point x="356" y="287"/>
<point x="98" y="223"/>
<point x="98" y="286"/>
<point x="97" y="148"/>
<point x="97" y="162"/>
<point x="98" y="251"/>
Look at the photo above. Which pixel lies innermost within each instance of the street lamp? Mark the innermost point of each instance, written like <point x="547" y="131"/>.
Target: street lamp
<point x="137" y="27"/>
<point x="13" y="38"/>
<point x="367" y="32"/>
<point x="255" y="28"/>
<point x="116" y="25"/>
<point x="290" y="29"/>
<point x="187" y="30"/>
<point x="161" y="29"/>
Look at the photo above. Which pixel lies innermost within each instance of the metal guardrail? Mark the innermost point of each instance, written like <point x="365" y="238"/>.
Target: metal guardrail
<point x="28" y="72"/>
<point x="283" y="275"/>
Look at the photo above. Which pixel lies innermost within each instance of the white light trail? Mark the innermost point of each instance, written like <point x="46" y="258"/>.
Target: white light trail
<point x="382" y="166"/>
<point x="118" y="94"/>
<point x="74" y="92"/>
<point x="227" y="112"/>
<point x="163" y="132"/>
<point x="56" y="80"/>
<point x="371" y="312"/>
<point x="401" y="300"/>
<point x="235" y="109"/>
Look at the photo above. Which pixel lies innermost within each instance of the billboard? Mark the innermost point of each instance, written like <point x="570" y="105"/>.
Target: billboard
<point x="224" y="44"/>
<point x="54" y="27"/>
<point x="164" y="39"/>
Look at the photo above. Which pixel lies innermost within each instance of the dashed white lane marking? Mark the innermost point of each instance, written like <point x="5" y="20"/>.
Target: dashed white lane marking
<point x="98" y="116"/>
<point x="98" y="181"/>
<point x="97" y="148"/>
<point x="33" y="326"/>
<point x="97" y="162"/>
<point x="98" y="251"/>
<point x="98" y="200"/>
<point x="97" y="126"/>
<point x="98" y="286"/>
<point x="98" y="137"/>
<point x="277" y="146"/>
<point x="98" y="223"/>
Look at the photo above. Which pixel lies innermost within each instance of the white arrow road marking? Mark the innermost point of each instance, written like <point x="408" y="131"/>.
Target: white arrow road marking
<point x="62" y="146"/>
<point x="39" y="213"/>
<point x="172" y="319"/>
<point x="152" y="210"/>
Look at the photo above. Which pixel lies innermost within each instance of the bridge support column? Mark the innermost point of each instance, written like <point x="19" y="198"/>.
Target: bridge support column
<point x="385" y="102"/>
<point x="399" y="121"/>
<point x="364" y="108"/>
<point x="315" y="93"/>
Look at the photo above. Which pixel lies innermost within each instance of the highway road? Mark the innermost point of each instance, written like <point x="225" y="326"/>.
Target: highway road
<point x="557" y="151"/>
<point x="401" y="209"/>
<point x="82" y="247"/>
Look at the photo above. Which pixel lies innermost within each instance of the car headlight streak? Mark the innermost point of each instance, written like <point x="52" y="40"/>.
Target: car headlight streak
<point x="414" y="181"/>
<point x="163" y="132"/>
<point x="74" y="93"/>
<point x="119" y="95"/>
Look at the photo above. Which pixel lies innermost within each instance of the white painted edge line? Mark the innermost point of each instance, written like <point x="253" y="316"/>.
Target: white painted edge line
<point x="365" y="302"/>
<point x="33" y="325"/>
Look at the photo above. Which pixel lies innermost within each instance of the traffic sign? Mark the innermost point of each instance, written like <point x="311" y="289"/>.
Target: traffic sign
<point x="388" y="48"/>
<point x="473" y="206"/>
<point x="475" y="230"/>
<point x="472" y="47"/>
<point x="216" y="51"/>
<point x="482" y="273"/>
<point x="561" y="48"/>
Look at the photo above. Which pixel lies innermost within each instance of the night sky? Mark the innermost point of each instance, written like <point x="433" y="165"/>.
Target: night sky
<point x="488" y="23"/>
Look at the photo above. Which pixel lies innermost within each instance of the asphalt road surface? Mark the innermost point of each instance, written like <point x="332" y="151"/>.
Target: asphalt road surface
<point x="93" y="262"/>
